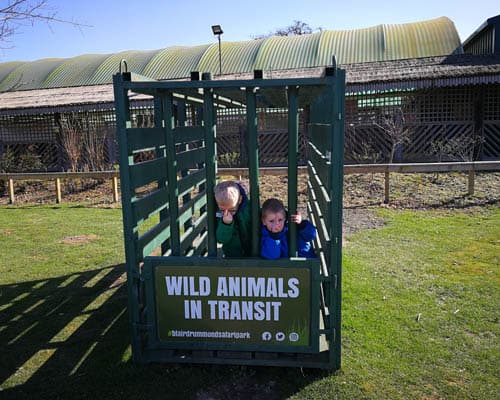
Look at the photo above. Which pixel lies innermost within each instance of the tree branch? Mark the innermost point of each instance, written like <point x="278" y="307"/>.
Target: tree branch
<point x="19" y="12"/>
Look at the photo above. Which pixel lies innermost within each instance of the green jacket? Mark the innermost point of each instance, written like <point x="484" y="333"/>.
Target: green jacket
<point x="236" y="237"/>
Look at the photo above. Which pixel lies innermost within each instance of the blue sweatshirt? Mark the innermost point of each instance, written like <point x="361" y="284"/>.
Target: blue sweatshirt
<point x="275" y="245"/>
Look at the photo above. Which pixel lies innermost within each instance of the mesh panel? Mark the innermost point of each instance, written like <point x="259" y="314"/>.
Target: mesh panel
<point x="431" y="116"/>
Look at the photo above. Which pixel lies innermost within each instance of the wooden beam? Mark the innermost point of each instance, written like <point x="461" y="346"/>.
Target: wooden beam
<point x="11" y="191"/>
<point x="63" y="175"/>
<point x="472" y="174"/>
<point x="58" y="191"/>
<point x="348" y="169"/>
<point x="386" y="188"/>
<point x="424" y="167"/>
<point x="470" y="167"/>
<point x="381" y="168"/>
<point x="115" y="189"/>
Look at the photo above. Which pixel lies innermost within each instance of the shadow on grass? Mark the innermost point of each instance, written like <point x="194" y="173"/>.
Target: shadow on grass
<point x="68" y="337"/>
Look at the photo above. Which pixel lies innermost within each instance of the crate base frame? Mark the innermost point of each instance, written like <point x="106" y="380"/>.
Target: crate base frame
<point x="184" y="227"/>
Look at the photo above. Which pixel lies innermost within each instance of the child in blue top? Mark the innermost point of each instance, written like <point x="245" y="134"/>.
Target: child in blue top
<point x="274" y="230"/>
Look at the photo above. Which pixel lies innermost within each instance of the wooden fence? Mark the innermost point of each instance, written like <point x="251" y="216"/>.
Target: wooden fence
<point x="469" y="167"/>
<point x="57" y="177"/>
<point x="386" y="169"/>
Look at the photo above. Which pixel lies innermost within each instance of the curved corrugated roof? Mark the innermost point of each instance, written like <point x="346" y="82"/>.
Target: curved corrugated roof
<point x="30" y="75"/>
<point x="173" y="62"/>
<point x="76" y="71"/>
<point x="7" y="68"/>
<point x="434" y="37"/>
<point x="419" y="39"/>
<point x="136" y="61"/>
<point x="354" y="46"/>
<point x="283" y="52"/>
<point x="237" y="56"/>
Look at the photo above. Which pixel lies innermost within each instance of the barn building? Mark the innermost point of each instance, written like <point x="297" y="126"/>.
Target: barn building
<point x="416" y="79"/>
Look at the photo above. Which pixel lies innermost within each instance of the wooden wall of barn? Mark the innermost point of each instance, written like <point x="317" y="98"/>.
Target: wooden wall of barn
<point x="426" y="120"/>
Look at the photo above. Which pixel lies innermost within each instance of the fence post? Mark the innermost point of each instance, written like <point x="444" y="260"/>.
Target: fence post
<point x="471" y="181"/>
<point x="386" y="187"/>
<point x="115" y="189"/>
<point x="58" y="190"/>
<point x="11" y="190"/>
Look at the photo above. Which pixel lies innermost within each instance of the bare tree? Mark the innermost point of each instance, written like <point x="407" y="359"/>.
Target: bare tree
<point x="93" y="143"/>
<point x="70" y="139"/>
<point x="395" y="128"/>
<point x="295" y="28"/>
<point x="460" y="147"/>
<point x="82" y="142"/>
<point x="366" y="153"/>
<point x="17" y="13"/>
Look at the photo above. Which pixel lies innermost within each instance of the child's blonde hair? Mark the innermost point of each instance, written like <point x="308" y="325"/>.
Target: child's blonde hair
<point x="227" y="191"/>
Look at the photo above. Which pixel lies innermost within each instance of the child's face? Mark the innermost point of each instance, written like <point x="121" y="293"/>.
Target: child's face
<point x="274" y="222"/>
<point x="231" y="205"/>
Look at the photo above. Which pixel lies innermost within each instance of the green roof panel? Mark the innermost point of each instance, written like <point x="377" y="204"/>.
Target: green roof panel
<point x="237" y="57"/>
<point x="7" y="68"/>
<point x="136" y="61"/>
<point x="76" y="71"/>
<point x="283" y="52"/>
<point x="30" y="75"/>
<point x="434" y="37"/>
<point x="174" y="62"/>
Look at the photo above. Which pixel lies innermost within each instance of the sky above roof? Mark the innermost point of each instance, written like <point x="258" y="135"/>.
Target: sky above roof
<point x="114" y="26"/>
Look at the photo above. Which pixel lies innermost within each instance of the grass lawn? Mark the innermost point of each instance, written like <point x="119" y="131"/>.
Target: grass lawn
<point x="420" y="314"/>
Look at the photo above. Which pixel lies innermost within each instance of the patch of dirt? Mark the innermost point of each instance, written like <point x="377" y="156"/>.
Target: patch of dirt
<point x="357" y="219"/>
<point x="354" y="218"/>
<point x="90" y="192"/>
<point x="246" y="387"/>
<point x="78" y="239"/>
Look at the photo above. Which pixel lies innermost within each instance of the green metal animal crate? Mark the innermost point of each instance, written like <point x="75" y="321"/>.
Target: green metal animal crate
<point x="186" y="303"/>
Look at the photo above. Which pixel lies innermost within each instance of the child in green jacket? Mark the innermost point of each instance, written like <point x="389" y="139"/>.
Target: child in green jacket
<point x="233" y="219"/>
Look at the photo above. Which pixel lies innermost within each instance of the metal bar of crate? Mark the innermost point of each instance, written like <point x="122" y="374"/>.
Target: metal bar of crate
<point x="209" y="119"/>
<point x="130" y="234"/>
<point x="293" y="152"/>
<point x="253" y="163"/>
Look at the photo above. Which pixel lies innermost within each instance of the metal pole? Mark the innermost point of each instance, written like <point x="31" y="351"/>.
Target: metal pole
<point x="220" y="57"/>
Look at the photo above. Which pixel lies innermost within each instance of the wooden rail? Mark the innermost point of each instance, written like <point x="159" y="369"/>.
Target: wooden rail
<point x="57" y="177"/>
<point x="386" y="169"/>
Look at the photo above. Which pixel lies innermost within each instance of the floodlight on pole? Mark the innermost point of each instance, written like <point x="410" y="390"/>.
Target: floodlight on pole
<point x="217" y="30"/>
